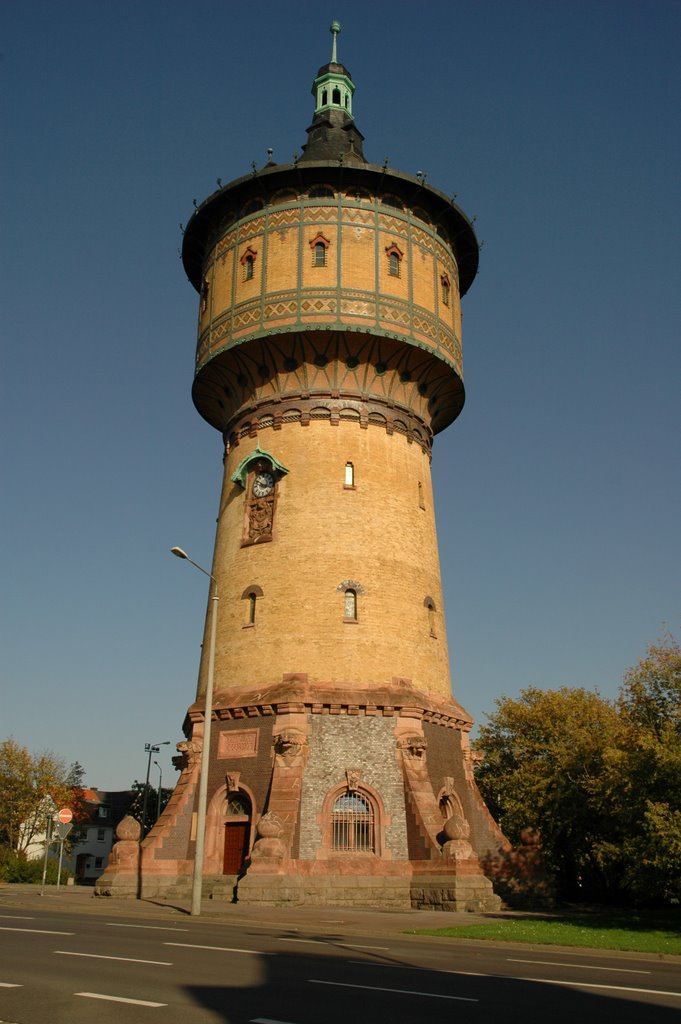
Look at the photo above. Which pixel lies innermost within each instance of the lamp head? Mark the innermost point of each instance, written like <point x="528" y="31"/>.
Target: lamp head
<point x="179" y="552"/>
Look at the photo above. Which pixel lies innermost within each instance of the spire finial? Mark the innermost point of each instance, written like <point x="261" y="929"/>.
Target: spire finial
<point x="335" y="29"/>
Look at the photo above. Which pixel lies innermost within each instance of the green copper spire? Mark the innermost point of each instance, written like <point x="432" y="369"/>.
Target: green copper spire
<point x="333" y="86"/>
<point x="335" y="29"/>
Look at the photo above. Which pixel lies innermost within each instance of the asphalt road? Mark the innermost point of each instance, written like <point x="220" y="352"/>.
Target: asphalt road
<point x="62" y="965"/>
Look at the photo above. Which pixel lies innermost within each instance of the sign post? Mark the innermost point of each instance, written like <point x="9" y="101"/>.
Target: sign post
<point x="62" y="830"/>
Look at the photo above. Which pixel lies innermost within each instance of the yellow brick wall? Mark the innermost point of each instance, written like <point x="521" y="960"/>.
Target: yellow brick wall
<point x="324" y="534"/>
<point x="283" y="264"/>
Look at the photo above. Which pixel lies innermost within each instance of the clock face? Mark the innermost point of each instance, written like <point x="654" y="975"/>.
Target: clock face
<point x="263" y="484"/>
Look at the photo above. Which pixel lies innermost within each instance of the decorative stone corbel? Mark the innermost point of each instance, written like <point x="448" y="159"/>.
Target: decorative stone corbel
<point x="354" y="778"/>
<point x="413" y="747"/>
<point x="232" y="782"/>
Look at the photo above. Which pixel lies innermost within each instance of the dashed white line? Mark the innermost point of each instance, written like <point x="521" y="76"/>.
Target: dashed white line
<point x="33" y="931"/>
<point x="399" y="991"/>
<point x="583" y="967"/>
<point x="15" y="917"/>
<point x="150" y="927"/>
<point x="409" y="967"/>
<point x="117" y="999"/>
<point x="126" y="959"/>
<point x="356" y="945"/>
<point x="611" y="988"/>
<point x="268" y="1020"/>
<point x="8" y="984"/>
<point x="219" y="949"/>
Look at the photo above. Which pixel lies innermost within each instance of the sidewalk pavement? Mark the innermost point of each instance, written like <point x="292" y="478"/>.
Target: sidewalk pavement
<point x="319" y="920"/>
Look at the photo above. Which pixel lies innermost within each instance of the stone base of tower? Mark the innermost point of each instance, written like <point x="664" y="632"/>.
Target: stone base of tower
<point x="326" y="795"/>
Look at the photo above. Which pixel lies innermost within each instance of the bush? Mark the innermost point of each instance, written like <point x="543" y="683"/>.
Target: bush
<point x="15" y="867"/>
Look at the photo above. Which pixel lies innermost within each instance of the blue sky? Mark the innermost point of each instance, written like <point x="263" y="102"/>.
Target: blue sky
<point x="557" y="490"/>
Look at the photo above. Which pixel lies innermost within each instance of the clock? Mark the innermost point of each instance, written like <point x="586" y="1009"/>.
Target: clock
<point x="263" y="484"/>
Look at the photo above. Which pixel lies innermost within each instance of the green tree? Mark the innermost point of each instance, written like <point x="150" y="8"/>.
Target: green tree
<point x="650" y="706"/>
<point x="548" y="758"/>
<point x="28" y="782"/>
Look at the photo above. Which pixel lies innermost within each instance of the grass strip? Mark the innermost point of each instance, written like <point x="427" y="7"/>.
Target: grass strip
<point x="637" y="933"/>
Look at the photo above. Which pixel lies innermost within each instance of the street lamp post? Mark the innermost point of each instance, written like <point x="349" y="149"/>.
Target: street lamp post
<point x="160" y="790"/>
<point x="197" y="881"/>
<point x="151" y="748"/>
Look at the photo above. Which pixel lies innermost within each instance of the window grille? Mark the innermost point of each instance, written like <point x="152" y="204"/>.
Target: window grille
<point x="352" y="824"/>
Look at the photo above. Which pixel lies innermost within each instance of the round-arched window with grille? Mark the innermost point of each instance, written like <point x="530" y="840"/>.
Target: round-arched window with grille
<point x="353" y="824"/>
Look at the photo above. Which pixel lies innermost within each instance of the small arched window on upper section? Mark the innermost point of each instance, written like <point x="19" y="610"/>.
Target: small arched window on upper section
<point x="395" y="257"/>
<point x="446" y="289"/>
<point x="430" y="605"/>
<point x="248" y="263"/>
<point x="251" y="595"/>
<point x="336" y="97"/>
<point x="205" y="292"/>
<point x="319" y="245"/>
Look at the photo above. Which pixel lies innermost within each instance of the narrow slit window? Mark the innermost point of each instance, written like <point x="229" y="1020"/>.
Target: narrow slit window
<point x="430" y="605"/>
<point x="446" y="287"/>
<point x="422" y="503"/>
<point x="349" y="474"/>
<point x="393" y="264"/>
<point x="248" y="268"/>
<point x="251" y="609"/>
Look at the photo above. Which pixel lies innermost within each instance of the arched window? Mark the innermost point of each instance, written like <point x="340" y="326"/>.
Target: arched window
<point x="430" y="605"/>
<point x="394" y="254"/>
<point x="324" y="97"/>
<point x="319" y="244"/>
<point x="248" y="263"/>
<point x="251" y="595"/>
<point x="336" y="96"/>
<point x="353" y="824"/>
<point x="319" y="258"/>
<point x="349" y="475"/>
<point x="350" y="606"/>
<point x="446" y="288"/>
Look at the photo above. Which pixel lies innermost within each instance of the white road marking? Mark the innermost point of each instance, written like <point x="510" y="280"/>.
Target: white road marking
<point x="15" y="917"/>
<point x="268" y="1020"/>
<point x="33" y="931"/>
<point x="430" y="970"/>
<point x="356" y="945"/>
<point x="8" y="984"/>
<point x="219" y="949"/>
<point x="400" y="991"/>
<point x="127" y="959"/>
<point x="583" y="967"/>
<point x="612" y="988"/>
<point x="317" y="942"/>
<point x="151" y="927"/>
<point x="117" y="999"/>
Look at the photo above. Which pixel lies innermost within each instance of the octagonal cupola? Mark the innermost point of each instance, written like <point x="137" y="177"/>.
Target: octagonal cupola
<point x="333" y="87"/>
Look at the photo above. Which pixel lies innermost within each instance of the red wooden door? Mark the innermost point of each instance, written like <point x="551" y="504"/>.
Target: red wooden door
<point x="236" y="836"/>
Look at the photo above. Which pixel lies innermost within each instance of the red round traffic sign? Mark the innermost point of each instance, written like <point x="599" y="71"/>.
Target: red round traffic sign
<point x="65" y="815"/>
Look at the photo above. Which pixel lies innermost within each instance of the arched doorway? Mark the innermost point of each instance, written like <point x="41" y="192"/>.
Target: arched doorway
<point x="237" y="833"/>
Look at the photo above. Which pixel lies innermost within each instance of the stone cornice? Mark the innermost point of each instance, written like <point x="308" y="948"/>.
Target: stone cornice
<point x="296" y="695"/>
